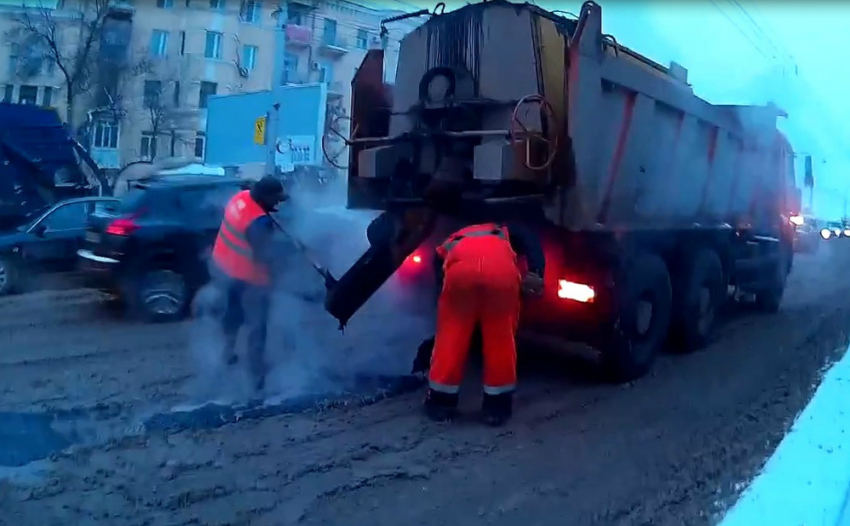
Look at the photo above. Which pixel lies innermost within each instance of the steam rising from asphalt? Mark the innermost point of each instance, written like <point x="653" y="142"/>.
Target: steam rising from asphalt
<point x="305" y="352"/>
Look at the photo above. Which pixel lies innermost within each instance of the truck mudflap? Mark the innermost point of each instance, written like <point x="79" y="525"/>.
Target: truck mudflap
<point x="393" y="236"/>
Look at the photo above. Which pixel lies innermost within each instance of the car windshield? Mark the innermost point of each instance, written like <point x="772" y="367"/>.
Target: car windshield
<point x="33" y="216"/>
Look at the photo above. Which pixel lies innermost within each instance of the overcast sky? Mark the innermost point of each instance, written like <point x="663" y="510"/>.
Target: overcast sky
<point x="745" y="52"/>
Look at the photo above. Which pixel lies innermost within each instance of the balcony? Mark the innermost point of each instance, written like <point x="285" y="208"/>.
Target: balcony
<point x="290" y="78"/>
<point x="106" y="158"/>
<point x="337" y="89"/>
<point x="121" y="10"/>
<point x="298" y="36"/>
<point x="335" y="45"/>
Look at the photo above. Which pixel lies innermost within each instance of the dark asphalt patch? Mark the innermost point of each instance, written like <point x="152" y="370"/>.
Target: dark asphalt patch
<point x="27" y="437"/>
<point x="368" y="390"/>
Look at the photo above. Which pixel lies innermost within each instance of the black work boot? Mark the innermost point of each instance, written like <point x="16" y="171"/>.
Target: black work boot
<point x="440" y="407"/>
<point x="497" y="409"/>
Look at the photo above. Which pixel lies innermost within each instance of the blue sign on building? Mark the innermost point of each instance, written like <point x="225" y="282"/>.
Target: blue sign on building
<point x="231" y="118"/>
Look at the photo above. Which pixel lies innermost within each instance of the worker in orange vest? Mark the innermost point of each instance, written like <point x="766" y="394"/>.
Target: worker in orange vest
<point x="243" y="258"/>
<point x="482" y="286"/>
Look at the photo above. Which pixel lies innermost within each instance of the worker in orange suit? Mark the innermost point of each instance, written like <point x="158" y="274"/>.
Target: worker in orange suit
<point x="482" y="287"/>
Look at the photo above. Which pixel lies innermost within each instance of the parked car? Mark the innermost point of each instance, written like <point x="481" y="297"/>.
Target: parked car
<point x="153" y="251"/>
<point x="47" y="242"/>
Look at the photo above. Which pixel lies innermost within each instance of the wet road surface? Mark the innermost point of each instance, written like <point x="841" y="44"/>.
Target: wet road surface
<point x="672" y="448"/>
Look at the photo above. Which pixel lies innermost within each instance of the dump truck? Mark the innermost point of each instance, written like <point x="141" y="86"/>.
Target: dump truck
<point x="41" y="164"/>
<point x="654" y="207"/>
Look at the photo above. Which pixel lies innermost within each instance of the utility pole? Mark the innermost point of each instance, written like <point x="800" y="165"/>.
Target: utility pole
<point x="273" y="116"/>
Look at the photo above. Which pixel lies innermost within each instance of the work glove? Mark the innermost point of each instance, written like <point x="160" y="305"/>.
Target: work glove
<point x="532" y="285"/>
<point x="422" y="362"/>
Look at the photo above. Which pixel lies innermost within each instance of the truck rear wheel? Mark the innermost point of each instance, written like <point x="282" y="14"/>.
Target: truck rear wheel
<point x="645" y="303"/>
<point x="701" y="293"/>
<point x="770" y="298"/>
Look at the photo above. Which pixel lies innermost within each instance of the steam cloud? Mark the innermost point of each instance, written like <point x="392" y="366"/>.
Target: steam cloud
<point x="305" y="352"/>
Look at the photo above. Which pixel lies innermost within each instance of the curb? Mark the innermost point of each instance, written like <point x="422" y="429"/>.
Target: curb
<point x="806" y="482"/>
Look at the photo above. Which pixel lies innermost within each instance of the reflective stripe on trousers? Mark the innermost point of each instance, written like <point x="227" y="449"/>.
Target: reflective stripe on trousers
<point x="499" y="390"/>
<point x="442" y="388"/>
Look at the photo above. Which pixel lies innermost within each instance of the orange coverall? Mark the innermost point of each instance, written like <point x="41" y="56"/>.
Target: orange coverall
<point x="481" y="287"/>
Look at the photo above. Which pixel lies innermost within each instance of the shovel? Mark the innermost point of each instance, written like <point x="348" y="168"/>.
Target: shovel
<point x="330" y="281"/>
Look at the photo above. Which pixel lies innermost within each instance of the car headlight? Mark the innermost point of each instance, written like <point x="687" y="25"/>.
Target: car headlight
<point x="825" y="233"/>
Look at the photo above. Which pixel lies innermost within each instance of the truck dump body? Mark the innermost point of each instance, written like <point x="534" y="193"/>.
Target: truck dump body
<point x="629" y="144"/>
<point x="40" y="163"/>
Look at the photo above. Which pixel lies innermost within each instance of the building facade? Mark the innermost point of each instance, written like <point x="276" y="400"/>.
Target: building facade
<point x="170" y="56"/>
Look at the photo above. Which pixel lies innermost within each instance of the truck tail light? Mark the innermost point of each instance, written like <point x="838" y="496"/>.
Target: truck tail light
<point x="570" y="290"/>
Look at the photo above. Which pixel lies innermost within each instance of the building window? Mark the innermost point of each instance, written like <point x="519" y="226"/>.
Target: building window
<point x="28" y="95"/>
<point x="218" y="5"/>
<point x="164" y="4"/>
<point x="329" y="36"/>
<point x="296" y="14"/>
<point x="362" y="38"/>
<point x="290" y="67"/>
<point x="176" y="101"/>
<point x="200" y="145"/>
<point x="29" y="62"/>
<point x="159" y="43"/>
<point x="153" y="88"/>
<point x="8" y="93"/>
<point x="148" y="146"/>
<point x="251" y="11"/>
<point x="326" y="73"/>
<point x="208" y="89"/>
<point x="249" y="57"/>
<point x="213" y="45"/>
<point x="105" y="135"/>
<point x="47" y="97"/>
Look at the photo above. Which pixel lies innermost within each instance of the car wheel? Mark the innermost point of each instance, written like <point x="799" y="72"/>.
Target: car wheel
<point x="161" y="296"/>
<point x="9" y="276"/>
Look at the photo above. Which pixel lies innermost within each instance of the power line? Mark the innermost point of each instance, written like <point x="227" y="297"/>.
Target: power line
<point x="758" y="28"/>
<point x="826" y="116"/>
<point x="729" y="19"/>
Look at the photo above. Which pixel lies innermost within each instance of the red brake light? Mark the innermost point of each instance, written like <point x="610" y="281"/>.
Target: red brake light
<point x="416" y="259"/>
<point x="580" y="292"/>
<point x="123" y="226"/>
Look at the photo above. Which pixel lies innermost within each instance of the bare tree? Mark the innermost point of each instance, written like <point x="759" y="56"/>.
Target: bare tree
<point x="162" y="102"/>
<point x="69" y="39"/>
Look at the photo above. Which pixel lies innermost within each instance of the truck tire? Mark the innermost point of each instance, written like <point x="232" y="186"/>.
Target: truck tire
<point x="770" y="299"/>
<point x="700" y="294"/>
<point x="645" y="299"/>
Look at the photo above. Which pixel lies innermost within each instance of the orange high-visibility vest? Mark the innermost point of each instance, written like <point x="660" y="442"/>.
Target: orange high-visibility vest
<point x="232" y="252"/>
<point x="484" y="229"/>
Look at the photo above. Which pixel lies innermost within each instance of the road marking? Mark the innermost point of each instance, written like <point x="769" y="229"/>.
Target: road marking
<point x="807" y="480"/>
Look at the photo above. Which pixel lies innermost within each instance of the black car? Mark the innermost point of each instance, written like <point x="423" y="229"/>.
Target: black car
<point x="47" y="242"/>
<point x="153" y="251"/>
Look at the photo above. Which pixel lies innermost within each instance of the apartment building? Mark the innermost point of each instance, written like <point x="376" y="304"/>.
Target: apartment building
<point x="181" y="52"/>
